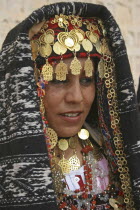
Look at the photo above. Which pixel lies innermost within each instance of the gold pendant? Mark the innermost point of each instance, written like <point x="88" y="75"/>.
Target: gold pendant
<point x="73" y="142"/>
<point x="75" y="66"/>
<point x="47" y="72"/>
<point x="88" y="67"/>
<point x="52" y="137"/>
<point x="74" y="163"/>
<point x="61" y="71"/>
<point x="63" y="144"/>
<point x="65" y="165"/>
<point x="101" y="68"/>
<point x="45" y="50"/>
<point x="83" y="134"/>
<point x="59" y="49"/>
<point x="98" y="47"/>
<point x="87" y="45"/>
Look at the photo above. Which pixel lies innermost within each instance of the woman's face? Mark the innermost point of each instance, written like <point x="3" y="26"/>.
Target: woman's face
<point x="67" y="103"/>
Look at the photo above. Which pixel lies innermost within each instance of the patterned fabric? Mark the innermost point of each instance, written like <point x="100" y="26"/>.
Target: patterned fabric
<point x="25" y="175"/>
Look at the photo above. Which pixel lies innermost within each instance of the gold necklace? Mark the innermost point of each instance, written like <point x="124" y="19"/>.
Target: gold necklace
<point x="73" y="163"/>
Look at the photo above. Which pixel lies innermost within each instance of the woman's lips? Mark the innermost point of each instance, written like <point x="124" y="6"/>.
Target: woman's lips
<point x="71" y="116"/>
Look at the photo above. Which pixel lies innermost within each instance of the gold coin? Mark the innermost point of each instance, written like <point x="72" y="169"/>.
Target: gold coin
<point x="45" y="50"/>
<point x="63" y="144"/>
<point x="52" y="137"/>
<point x="49" y="38"/>
<point x="76" y="47"/>
<point x="73" y="142"/>
<point x="69" y="42"/>
<point x="98" y="47"/>
<point x="59" y="49"/>
<point x="83" y="134"/>
<point x="87" y="45"/>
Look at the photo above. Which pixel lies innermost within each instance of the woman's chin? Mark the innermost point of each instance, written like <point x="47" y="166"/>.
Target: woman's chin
<point x="67" y="132"/>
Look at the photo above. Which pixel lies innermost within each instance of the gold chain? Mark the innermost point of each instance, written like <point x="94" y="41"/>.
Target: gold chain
<point x="118" y="141"/>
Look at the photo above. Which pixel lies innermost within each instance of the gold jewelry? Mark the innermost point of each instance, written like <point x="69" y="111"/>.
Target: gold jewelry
<point x="47" y="71"/>
<point x="73" y="142"/>
<point x="53" y="138"/>
<point x="63" y="144"/>
<point x="83" y="134"/>
<point x="75" y="66"/>
<point x="69" y="39"/>
<point x="64" y="164"/>
<point x="61" y="71"/>
<point x="88" y="67"/>
<point x="74" y="162"/>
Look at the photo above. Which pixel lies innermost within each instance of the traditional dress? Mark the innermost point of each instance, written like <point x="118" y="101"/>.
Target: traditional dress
<point x="26" y="177"/>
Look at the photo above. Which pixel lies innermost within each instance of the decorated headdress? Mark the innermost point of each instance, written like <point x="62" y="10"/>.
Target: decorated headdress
<point x="23" y="153"/>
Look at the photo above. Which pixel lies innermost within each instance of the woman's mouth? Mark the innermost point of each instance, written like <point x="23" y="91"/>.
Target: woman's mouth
<point x="71" y="114"/>
<point x="72" y="117"/>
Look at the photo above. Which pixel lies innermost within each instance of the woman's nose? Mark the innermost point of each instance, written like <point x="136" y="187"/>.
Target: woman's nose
<point x="74" y="93"/>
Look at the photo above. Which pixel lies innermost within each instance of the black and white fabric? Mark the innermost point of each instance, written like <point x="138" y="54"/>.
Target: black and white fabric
<point x="25" y="175"/>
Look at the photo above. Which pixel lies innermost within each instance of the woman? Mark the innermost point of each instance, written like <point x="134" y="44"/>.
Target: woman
<point x="65" y="156"/>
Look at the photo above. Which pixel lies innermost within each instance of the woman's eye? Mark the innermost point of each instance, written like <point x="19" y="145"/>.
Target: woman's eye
<point x="86" y="80"/>
<point x="55" y="81"/>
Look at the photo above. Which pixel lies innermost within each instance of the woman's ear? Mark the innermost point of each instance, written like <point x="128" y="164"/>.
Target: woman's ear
<point x="35" y="29"/>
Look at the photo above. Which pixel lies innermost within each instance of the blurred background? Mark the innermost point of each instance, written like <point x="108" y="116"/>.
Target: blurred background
<point x="126" y="13"/>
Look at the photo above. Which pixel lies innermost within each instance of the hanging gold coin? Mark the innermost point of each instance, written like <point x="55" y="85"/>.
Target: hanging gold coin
<point x="63" y="144"/>
<point x="87" y="45"/>
<point x="98" y="47"/>
<point x="73" y="142"/>
<point x="53" y="138"/>
<point x="45" y="50"/>
<point x="59" y="49"/>
<point x="49" y="38"/>
<point x="77" y="47"/>
<point x="83" y="134"/>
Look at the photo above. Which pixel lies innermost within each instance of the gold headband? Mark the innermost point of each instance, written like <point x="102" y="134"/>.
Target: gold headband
<point x="64" y="35"/>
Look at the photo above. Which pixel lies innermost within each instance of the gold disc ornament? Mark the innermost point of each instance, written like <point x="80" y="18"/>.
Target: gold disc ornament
<point x="63" y="144"/>
<point x="83" y="134"/>
<point x="87" y="45"/>
<point x="53" y="138"/>
<point x="73" y="142"/>
<point x="45" y="50"/>
<point x="59" y="49"/>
